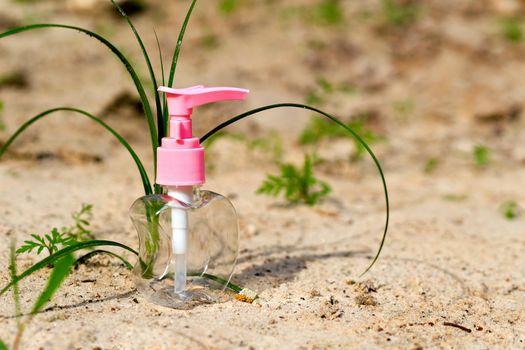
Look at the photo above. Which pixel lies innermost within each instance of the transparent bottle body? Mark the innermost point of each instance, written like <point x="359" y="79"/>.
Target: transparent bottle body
<point x="212" y="248"/>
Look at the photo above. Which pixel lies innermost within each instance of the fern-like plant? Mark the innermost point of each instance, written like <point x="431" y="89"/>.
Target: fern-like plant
<point x="298" y="185"/>
<point x="67" y="236"/>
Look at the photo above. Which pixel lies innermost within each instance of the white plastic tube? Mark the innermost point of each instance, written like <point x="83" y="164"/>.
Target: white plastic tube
<point x="179" y="239"/>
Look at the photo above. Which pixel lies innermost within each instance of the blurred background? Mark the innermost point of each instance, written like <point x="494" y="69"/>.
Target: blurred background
<point x="433" y="81"/>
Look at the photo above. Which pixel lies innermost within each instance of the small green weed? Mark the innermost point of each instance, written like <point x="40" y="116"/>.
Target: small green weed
<point x="80" y="231"/>
<point x="328" y="12"/>
<point x="324" y="89"/>
<point x="318" y="95"/>
<point x="430" y="165"/>
<point x="481" y="155"/>
<point x="319" y="129"/>
<point x="298" y="185"/>
<point x="400" y="13"/>
<point x="50" y="241"/>
<point x="509" y="210"/>
<point x="227" y="7"/>
<point x="511" y="29"/>
<point x="210" y="40"/>
<point x="324" y="12"/>
<point x="64" y="237"/>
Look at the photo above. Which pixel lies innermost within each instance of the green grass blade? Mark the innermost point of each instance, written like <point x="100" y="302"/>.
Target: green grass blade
<point x="97" y="243"/>
<point x="156" y="94"/>
<point x="84" y="258"/>
<point x="60" y="272"/>
<point x="16" y="290"/>
<point x="3" y="346"/>
<point x="178" y="46"/>
<point x="164" y="100"/>
<point x="223" y="282"/>
<point x="61" y="253"/>
<point x="138" y="85"/>
<point x="341" y="124"/>
<point x="20" y="130"/>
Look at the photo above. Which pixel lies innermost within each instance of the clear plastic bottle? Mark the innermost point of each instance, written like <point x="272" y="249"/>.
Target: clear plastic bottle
<point x="188" y="237"/>
<point x="212" y="247"/>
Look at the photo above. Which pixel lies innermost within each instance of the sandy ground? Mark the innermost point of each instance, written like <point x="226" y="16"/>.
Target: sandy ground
<point x="451" y="275"/>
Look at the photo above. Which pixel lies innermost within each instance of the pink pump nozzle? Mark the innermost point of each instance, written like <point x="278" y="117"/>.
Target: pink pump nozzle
<point x="180" y="159"/>
<point x="182" y="101"/>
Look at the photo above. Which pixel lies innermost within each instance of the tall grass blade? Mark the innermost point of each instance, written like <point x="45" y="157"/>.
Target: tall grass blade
<point x="60" y="254"/>
<point x="160" y="116"/>
<point x="84" y="258"/>
<point x="164" y="100"/>
<point x="341" y="124"/>
<point x="138" y="85"/>
<point x="60" y="272"/>
<point x="20" y="130"/>
<point x="178" y="46"/>
<point x="233" y="287"/>
<point x="16" y="290"/>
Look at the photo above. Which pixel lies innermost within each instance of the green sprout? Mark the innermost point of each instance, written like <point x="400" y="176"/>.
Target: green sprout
<point x="509" y="209"/>
<point x="431" y="165"/>
<point x="323" y="12"/>
<point x="481" y="155"/>
<point x="328" y="12"/>
<point x="64" y="237"/>
<point x="319" y="94"/>
<point x="210" y="40"/>
<point x="319" y="130"/>
<point x="50" y="241"/>
<point x="323" y="89"/>
<point x="511" y="29"/>
<point x="80" y="231"/>
<point x="398" y="14"/>
<point x="227" y="7"/>
<point x="298" y="185"/>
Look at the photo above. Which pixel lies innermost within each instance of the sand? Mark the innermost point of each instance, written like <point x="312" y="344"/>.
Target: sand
<point x="451" y="275"/>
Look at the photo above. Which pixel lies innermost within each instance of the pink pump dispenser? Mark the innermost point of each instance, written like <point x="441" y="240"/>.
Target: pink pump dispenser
<point x="180" y="159"/>
<point x="189" y="234"/>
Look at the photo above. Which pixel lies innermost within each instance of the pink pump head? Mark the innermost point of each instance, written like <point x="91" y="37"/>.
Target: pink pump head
<point x="180" y="158"/>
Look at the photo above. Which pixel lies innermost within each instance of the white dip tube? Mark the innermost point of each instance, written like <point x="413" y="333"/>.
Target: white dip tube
<point x="179" y="238"/>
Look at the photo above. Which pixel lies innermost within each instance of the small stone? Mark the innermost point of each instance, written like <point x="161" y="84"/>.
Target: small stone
<point x="366" y="300"/>
<point x="315" y="293"/>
